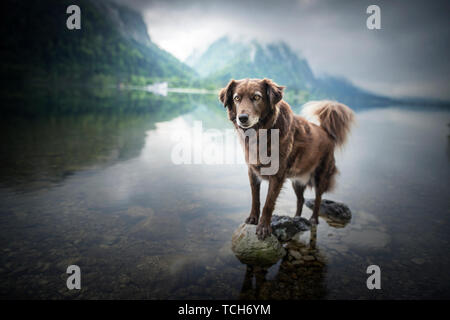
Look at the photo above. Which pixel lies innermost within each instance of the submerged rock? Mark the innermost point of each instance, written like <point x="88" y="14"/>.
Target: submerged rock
<point x="333" y="210"/>
<point x="250" y="250"/>
<point x="285" y="228"/>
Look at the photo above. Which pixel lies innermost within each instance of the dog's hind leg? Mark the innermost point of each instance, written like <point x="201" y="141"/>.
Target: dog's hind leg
<point x="315" y="216"/>
<point x="299" y="190"/>
<point x="323" y="182"/>
<point x="255" y="184"/>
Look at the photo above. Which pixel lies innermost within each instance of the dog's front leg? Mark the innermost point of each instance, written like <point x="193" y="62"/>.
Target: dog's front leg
<point x="263" y="230"/>
<point x="255" y="184"/>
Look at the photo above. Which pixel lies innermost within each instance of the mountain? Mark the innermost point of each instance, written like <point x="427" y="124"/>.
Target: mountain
<point x="226" y="59"/>
<point x="112" y="44"/>
<point x="341" y="89"/>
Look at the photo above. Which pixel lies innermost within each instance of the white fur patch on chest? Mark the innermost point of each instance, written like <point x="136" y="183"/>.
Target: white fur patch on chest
<point x="302" y="179"/>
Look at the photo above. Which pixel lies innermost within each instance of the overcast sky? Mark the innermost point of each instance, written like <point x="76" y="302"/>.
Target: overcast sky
<point x="409" y="56"/>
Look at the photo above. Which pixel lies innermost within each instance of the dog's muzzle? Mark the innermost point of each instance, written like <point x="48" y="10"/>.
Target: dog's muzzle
<point x="245" y="121"/>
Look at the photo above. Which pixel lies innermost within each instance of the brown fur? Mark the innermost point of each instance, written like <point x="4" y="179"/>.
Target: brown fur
<point x="306" y="150"/>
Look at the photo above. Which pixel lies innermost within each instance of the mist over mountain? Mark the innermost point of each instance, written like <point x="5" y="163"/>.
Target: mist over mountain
<point x="127" y="22"/>
<point x="227" y="59"/>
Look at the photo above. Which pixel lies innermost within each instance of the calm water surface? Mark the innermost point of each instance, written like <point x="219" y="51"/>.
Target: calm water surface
<point x="87" y="178"/>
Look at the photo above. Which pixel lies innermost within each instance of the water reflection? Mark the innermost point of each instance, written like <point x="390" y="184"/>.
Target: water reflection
<point x="46" y="136"/>
<point x="300" y="274"/>
<point x="87" y="178"/>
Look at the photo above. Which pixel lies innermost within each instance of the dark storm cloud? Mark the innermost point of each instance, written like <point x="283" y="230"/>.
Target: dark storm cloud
<point x="408" y="56"/>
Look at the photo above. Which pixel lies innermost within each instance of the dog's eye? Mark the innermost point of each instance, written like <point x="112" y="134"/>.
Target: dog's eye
<point x="256" y="97"/>
<point x="237" y="98"/>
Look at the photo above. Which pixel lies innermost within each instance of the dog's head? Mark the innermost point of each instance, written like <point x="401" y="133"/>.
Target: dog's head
<point x="250" y="101"/>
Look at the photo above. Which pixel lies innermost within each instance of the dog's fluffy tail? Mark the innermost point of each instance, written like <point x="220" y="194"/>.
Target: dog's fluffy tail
<point x="336" y="118"/>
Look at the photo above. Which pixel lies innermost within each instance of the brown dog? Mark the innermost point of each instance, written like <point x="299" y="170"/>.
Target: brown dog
<point x="306" y="150"/>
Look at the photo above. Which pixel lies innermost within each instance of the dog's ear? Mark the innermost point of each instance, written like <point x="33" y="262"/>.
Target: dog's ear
<point x="226" y="94"/>
<point x="274" y="92"/>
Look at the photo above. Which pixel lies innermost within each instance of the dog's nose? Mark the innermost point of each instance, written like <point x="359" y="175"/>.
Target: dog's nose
<point x="243" y="118"/>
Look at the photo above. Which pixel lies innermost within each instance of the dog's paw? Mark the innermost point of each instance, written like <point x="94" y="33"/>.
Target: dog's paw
<point x="263" y="230"/>
<point x="251" y="220"/>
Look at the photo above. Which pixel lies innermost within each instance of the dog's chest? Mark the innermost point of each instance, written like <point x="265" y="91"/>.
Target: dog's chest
<point x="257" y="148"/>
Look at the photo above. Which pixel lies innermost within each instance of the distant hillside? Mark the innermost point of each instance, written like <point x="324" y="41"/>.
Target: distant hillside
<point x="226" y="59"/>
<point x="113" y="44"/>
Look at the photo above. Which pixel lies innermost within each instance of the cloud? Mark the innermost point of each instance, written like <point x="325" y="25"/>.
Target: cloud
<point x="407" y="57"/>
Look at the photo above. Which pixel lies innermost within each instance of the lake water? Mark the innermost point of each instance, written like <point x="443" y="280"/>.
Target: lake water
<point x="88" y="178"/>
